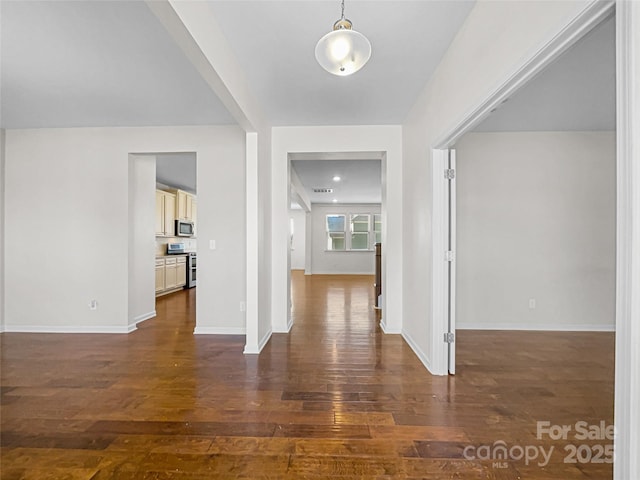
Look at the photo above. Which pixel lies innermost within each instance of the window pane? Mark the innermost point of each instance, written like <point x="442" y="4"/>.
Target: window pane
<point x="377" y="227"/>
<point x="359" y="241"/>
<point x="359" y="223"/>
<point x="335" y="223"/>
<point x="335" y="241"/>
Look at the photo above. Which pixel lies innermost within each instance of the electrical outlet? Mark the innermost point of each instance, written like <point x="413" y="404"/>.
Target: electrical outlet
<point x="532" y="303"/>
<point x="93" y="305"/>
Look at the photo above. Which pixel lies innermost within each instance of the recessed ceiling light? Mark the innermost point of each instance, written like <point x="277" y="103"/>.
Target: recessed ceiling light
<point x="336" y="178"/>
<point x="335" y="200"/>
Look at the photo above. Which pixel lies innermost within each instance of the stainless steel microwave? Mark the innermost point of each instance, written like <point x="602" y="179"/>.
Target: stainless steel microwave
<point x="184" y="228"/>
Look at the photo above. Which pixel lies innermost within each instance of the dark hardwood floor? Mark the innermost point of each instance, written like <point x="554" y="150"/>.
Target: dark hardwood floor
<point x="335" y="398"/>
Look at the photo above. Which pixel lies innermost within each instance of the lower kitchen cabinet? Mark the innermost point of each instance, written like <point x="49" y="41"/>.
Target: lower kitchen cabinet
<point x="159" y="275"/>
<point x="181" y="271"/>
<point x="171" y="274"/>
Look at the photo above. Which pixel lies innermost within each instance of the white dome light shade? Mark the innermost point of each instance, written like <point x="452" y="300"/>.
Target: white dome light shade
<point x="343" y="51"/>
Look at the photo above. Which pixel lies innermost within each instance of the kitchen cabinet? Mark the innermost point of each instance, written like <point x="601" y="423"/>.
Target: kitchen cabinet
<point x="159" y="275"/>
<point x="165" y="213"/>
<point x="184" y="205"/>
<point x="181" y="271"/>
<point x="171" y="274"/>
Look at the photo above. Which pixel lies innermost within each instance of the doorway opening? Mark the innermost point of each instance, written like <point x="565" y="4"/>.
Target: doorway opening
<point x="554" y="118"/>
<point x="162" y="231"/>
<point x="336" y="215"/>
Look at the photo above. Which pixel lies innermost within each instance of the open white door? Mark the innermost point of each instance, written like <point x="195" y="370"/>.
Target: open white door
<point x="451" y="257"/>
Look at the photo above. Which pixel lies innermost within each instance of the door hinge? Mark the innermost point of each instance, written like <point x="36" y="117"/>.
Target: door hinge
<point x="449" y="256"/>
<point x="449" y="337"/>
<point x="449" y="173"/>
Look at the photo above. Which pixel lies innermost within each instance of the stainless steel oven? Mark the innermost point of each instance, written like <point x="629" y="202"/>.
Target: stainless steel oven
<point x="191" y="270"/>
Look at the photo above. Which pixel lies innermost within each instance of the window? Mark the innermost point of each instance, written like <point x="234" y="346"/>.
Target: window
<point x="360" y="231"/>
<point x="336" y="232"/>
<point x="377" y="227"/>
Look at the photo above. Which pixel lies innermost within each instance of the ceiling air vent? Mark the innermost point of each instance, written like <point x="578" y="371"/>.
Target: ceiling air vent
<point x="323" y="190"/>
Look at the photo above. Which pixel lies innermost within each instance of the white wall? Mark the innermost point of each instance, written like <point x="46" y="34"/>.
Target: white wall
<point x="299" y="239"/>
<point x="536" y="220"/>
<point x="377" y="138"/>
<point x="495" y="41"/>
<point x="347" y="263"/>
<point x="221" y="217"/>
<point x="70" y="186"/>
<point x="142" y="245"/>
<point x="2" y="206"/>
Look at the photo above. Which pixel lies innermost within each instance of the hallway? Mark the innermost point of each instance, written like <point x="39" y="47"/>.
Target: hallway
<point x="335" y="398"/>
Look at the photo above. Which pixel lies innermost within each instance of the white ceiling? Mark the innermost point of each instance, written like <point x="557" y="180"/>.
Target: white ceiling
<point x="575" y="93"/>
<point x="360" y="180"/>
<point x="111" y="63"/>
<point x="274" y="42"/>
<point x="81" y="63"/>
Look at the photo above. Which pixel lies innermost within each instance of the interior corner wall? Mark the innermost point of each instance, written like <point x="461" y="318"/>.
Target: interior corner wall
<point x="339" y="262"/>
<point x="536" y="215"/>
<point x="485" y="53"/>
<point x="298" y="245"/>
<point x="70" y="187"/>
<point x="142" y="245"/>
<point x="265" y="237"/>
<point x="2" y="207"/>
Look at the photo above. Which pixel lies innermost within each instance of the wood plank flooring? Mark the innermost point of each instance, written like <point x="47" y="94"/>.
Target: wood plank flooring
<point x="333" y="399"/>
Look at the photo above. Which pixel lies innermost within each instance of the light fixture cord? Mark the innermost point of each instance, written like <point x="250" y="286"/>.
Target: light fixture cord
<point x="342" y="9"/>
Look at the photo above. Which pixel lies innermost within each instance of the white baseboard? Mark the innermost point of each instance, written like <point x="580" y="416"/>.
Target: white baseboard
<point x="551" y="327"/>
<point x="418" y="351"/>
<point x="287" y="329"/>
<point x="220" y="331"/>
<point x="342" y="273"/>
<point x="388" y="331"/>
<point x="140" y="319"/>
<point x="68" y="329"/>
<point x="248" y="350"/>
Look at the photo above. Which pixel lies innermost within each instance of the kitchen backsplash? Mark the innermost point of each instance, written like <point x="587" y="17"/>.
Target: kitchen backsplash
<point x="190" y="244"/>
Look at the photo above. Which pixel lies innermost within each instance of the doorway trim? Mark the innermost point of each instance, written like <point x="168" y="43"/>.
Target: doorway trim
<point x="627" y="384"/>
<point x="357" y="138"/>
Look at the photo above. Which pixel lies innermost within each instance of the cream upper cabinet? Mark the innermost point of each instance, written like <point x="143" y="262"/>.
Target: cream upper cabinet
<point x="159" y="213"/>
<point x="181" y="205"/>
<point x="184" y="205"/>
<point x="170" y="215"/>
<point x="165" y="213"/>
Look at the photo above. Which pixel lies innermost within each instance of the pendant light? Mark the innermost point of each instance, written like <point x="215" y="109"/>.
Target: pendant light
<point x="343" y="51"/>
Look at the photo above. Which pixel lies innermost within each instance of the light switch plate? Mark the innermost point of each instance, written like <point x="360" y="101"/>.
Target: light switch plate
<point x="212" y="244"/>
